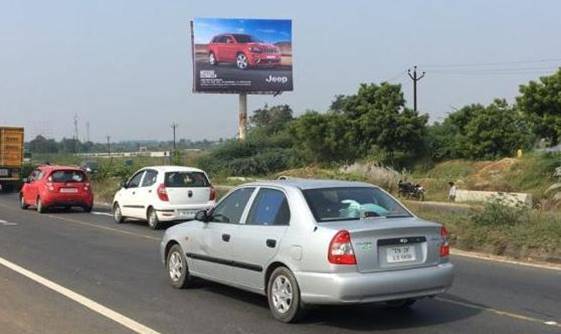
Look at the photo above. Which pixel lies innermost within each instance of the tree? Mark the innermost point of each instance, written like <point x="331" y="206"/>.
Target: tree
<point x="541" y="101"/>
<point x="323" y="137"/>
<point x="381" y="122"/>
<point x="496" y="131"/>
<point x="480" y="132"/>
<point x="43" y="145"/>
<point x="271" y="118"/>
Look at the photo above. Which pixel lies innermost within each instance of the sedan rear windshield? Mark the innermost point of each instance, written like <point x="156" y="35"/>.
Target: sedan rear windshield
<point x="352" y="203"/>
<point x="186" y="180"/>
<point x="64" y="176"/>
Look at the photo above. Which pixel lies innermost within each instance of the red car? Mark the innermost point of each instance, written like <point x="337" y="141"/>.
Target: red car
<point x="242" y="50"/>
<point x="56" y="186"/>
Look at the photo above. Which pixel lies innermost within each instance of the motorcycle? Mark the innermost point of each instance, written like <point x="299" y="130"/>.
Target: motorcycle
<point x="409" y="190"/>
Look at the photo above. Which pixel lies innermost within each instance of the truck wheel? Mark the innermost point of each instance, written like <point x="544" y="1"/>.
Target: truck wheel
<point x="22" y="204"/>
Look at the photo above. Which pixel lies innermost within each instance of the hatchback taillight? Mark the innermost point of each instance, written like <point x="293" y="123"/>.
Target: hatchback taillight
<point x="212" y="195"/>
<point x="341" y="250"/>
<point x="162" y="193"/>
<point x="444" y="247"/>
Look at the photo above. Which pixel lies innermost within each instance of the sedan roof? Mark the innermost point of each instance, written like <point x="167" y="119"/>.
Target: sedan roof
<point x="311" y="183"/>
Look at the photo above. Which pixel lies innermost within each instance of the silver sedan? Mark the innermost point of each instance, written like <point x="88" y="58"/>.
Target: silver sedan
<point x="309" y="242"/>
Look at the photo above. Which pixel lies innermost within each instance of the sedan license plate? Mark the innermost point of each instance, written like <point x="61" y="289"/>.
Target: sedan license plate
<point x="68" y="190"/>
<point x="398" y="254"/>
<point x="4" y="172"/>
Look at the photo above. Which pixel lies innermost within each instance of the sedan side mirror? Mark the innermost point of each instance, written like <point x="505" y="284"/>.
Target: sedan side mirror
<point x="202" y="216"/>
<point x="123" y="184"/>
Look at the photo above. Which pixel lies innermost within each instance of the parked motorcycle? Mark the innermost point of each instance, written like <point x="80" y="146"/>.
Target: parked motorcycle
<point x="409" y="190"/>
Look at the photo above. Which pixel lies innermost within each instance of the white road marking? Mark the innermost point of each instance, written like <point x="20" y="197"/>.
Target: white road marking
<point x="499" y="312"/>
<point x="97" y="213"/>
<point x="92" y="305"/>
<point x="5" y="223"/>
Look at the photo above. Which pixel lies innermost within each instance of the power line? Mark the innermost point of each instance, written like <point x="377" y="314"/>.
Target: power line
<point x="536" y="61"/>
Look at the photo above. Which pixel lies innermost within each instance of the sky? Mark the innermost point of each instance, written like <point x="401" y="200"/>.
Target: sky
<point x="124" y="67"/>
<point x="268" y="31"/>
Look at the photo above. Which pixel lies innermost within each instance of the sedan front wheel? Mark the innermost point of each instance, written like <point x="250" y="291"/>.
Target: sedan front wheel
<point x="178" y="271"/>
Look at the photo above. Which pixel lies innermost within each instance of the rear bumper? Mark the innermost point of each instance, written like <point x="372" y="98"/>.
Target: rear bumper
<point x="351" y="288"/>
<point x="184" y="212"/>
<point x="67" y="200"/>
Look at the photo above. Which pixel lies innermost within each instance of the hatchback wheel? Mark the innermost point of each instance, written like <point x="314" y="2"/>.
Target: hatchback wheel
<point x="117" y="214"/>
<point x="39" y="205"/>
<point x="178" y="272"/>
<point x="153" y="220"/>
<point x="22" y="204"/>
<point x="241" y="61"/>
<point x="283" y="295"/>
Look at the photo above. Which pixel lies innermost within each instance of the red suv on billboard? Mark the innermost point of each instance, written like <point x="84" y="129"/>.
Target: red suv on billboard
<point x="242" y="50"/>
<point x="56" y="186"/>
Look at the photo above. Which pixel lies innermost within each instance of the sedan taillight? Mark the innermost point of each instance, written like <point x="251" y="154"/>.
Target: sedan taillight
<point x="162" y="193"/>
<point x="212" y="195"/>
<point x="444" y="247"/>
<point x="341" y="250"/>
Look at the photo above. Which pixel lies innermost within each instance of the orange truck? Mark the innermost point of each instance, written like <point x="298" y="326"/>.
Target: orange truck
<point x="11" y="157"/>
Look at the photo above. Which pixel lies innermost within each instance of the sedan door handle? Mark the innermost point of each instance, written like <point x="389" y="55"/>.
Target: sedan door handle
<point x="271" y="243"/>
<point x="226" y="237"/>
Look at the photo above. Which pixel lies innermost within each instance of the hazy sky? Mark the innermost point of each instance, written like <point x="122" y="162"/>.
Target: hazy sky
<point x="125" y="66"/>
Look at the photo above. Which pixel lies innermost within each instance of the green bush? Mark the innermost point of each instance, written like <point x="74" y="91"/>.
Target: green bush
<point x="499" y="212"/>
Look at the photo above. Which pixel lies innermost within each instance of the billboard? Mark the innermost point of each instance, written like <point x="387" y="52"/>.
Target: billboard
<point x="241" y="55"/>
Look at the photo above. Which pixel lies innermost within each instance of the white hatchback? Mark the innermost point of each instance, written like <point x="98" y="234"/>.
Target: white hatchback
<point x="162" y="194"/>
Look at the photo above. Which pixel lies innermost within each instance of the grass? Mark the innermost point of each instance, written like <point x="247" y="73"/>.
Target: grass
<point x="537" y="234"/>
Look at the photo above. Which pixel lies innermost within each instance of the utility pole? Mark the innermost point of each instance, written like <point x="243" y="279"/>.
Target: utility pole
<point x="242" y="117"/>
<point x="76" y="137"/>
<point x="88" y="131"/>
<point x="173" y="127"/>
<point x="415" y="78"/>
<point x="109" y="148"/>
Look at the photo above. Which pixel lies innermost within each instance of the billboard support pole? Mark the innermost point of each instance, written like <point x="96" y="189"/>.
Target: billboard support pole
<point x="242" y="121"/>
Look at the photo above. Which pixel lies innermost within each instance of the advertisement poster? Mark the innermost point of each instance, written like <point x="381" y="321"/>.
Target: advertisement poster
<point x="241" y="55"/>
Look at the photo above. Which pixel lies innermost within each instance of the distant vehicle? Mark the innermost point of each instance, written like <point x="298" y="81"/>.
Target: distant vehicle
<point x="162" y="194"/>
<point x="305" y="242"/>
<point x="242" y="50"/>
<point x="56" y="186"/>
<point x="11" y="157"/>
<point x="411" y="191"/>
<point x="90" y="167"/>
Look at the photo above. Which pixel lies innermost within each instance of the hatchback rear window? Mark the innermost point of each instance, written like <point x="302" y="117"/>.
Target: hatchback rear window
<point x="352" y="203"/>
<point x="67" y="176"/>
<point x="186" y="180"/>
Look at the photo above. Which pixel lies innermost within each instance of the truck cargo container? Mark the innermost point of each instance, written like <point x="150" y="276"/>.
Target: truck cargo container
<point x="11" y="157"/>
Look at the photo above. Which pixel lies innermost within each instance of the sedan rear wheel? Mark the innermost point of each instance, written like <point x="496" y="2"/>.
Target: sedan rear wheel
<point x="283" y="295"/>
<point x="178" y="271"/>
<point x="241" y="61"/>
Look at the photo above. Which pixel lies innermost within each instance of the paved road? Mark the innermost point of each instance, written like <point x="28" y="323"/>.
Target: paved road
<point x="118" y="267"/>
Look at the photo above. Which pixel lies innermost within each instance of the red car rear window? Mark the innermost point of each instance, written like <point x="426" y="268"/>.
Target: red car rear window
<point x="67" y="176"/>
